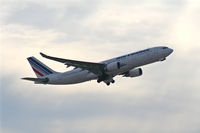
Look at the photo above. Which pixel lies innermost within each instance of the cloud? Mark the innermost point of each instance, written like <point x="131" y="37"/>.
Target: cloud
<point x="185" y="30"/>
<point x="138" y="106"/>
<point x="111" y="23"/>
<point x="165" y="99"/>
<point x="62" y="15"/>
<point x="86" y="108"/>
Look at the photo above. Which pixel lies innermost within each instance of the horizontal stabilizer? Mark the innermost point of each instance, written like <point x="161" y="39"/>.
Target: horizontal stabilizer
<point x="37" y="80"/>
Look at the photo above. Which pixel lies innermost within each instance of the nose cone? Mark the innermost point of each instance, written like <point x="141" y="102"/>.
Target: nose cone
<point x="170" y="50"/>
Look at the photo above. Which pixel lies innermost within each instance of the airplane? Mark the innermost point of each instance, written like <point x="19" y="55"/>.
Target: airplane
<point x="127" y="65"/>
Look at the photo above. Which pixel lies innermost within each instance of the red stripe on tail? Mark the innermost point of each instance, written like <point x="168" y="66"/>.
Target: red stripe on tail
<point x="37" y="72"/>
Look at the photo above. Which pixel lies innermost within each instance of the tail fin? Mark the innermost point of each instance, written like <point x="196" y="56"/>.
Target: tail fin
<point x="39" y="68"/>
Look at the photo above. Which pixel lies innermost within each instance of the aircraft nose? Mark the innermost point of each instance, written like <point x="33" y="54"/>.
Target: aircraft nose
<point x="170" y="50"/>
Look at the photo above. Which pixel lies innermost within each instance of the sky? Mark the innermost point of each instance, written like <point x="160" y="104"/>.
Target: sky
<point x="165" y="99"/>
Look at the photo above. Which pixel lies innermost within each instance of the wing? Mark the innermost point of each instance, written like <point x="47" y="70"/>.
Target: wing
<point x="96" y="68"/>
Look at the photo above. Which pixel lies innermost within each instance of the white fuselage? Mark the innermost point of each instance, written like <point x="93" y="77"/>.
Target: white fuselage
<point x="129" y="61"/>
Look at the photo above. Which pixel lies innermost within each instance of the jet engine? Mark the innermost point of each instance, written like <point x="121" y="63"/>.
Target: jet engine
<point x="113" y="66"/>
<point x="133" y="73"/>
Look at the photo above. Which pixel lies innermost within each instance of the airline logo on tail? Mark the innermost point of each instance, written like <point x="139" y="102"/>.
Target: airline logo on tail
<point x="39" y="68"/>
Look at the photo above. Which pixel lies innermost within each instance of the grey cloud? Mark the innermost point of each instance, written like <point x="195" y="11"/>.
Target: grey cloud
<point x="167" y="100"/>
<point x="41" y="16"/>
<point x="70" y="19"/>
<point x="67" y="19"/>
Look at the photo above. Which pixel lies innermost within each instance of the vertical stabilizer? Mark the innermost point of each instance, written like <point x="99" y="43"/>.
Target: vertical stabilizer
<point x="39" y="68"/>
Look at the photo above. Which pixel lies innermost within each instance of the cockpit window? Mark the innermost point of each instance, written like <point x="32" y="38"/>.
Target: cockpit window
<point x="164" y="47"/>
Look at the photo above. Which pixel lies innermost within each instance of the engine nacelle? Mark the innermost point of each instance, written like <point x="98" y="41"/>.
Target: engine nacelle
<point x="113" y="66"/>
<point x="134" y="73"/>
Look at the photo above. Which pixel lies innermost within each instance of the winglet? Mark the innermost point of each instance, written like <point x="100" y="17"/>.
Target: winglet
<point x="52" y="58"/>
<point x="43" y="55"/>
